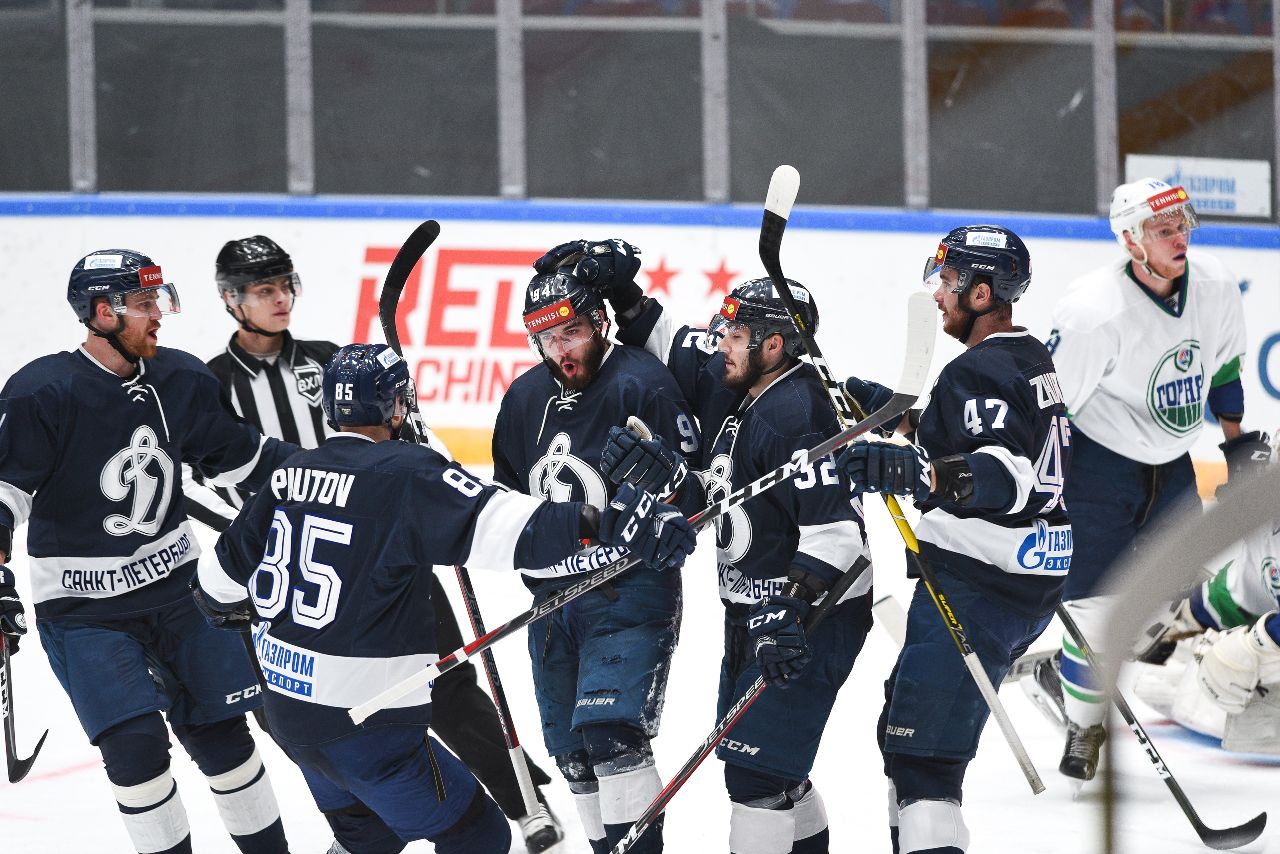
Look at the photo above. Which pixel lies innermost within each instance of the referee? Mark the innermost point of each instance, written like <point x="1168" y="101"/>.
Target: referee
<point x="274" y="382"/>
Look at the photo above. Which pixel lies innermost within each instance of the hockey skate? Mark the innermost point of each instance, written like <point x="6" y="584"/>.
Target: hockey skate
<point x="1043" y="687"/>
<point x="540" y="829"/>
<point x="1080" y="758"/>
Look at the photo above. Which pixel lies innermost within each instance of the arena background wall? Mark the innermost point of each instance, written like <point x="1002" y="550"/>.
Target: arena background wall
<point x="460" y="313"/>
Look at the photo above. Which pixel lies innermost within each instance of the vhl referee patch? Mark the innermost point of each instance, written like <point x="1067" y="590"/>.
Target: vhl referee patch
<point x="310" y="378"/>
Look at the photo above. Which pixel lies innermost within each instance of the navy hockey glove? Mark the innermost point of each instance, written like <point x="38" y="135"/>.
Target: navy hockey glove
<point x="892" y="469"/>
<point x="13" y="619"/>
<point x="869" y="396"/>
<point x="647" y="463"/>
<point x="777" y="634"/>
<point x="610" y="266"/>
<point x="554" y="259"/>
<point x="1247" y="454"/>
<point x="232" y="618"/>
<point x="656" y="533"/>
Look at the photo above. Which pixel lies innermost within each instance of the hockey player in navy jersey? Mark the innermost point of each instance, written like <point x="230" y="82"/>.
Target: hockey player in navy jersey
<point x="777" y="554"/>
<point x="600" y="664"/>
<point x="92" y="444"/>
<point x="334" y="558"/>
<point x="987" y="470"/>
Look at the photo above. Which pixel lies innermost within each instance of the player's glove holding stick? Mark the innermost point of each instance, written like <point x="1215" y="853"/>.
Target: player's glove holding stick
<point x="656" y="533"/>
<point x="13" y="618"/>
<point x="892" y="469"/>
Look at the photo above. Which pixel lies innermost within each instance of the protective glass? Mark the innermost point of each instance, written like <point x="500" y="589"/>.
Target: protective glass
<point x="1167" y="224"/>
<point x="267" y="291"/>
<point x="565" y="336"/>
<point x="147" y="302"/>
<point x="932" y="276"/>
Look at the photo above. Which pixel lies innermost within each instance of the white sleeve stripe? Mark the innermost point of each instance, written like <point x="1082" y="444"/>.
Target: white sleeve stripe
<point x="215" y="581"/>
<point x="18" y="502"/>
<point x="493" y="542"/>
<point x="233" y="477"/>
<point x="838" y="544"/>
<point x="1024" y="477"/>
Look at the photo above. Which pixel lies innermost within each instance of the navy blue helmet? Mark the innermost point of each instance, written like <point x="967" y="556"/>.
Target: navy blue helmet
<point x="112" y="274"/>
<point x="362" y="383"/>
<point x="555" y="298"/>
<point x="756" y="305"/>
<point x="990" y="251"/>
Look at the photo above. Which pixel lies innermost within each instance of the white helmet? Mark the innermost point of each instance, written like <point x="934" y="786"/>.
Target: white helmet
<point x="1134" y="203"/>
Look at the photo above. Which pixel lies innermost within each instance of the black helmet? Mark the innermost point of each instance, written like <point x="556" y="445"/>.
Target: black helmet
<point x="985" y="250"/>
<point x="555" y="298"/>
<point x="757" y="305"/>
<point x="250" y="260"/>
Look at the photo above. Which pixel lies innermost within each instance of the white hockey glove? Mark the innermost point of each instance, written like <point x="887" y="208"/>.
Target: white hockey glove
<point x="1233" y="663"/>
<point x="1174" y="622"/>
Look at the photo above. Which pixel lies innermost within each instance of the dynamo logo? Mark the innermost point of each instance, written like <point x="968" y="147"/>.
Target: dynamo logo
<point x="1046" y="549"/>
<point x="1175" y="391"/>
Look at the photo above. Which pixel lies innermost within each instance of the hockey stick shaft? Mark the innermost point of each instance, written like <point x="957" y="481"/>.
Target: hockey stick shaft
<point x="388" y="304"/>
<point x="778" y="202"/>
<point x="1222" y="840"/>
<point x="16" y="768"/>
<point x="921" y="325"/>
<point x="732" y="716"/>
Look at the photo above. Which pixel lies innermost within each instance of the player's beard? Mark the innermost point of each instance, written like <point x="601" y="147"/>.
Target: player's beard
<point x="584" y="364"/>
<point x="138" y="341"/>
<point x="744" y="377"/>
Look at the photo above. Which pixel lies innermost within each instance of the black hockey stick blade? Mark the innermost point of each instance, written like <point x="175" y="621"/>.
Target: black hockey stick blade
<point x="1232" y="837"/>
<point x="783" y="187"/>
<point x="16" y="767"/>
<point x="402" y="265"/>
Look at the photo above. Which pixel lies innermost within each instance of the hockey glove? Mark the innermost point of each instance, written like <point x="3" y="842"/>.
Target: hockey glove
<point x="1246" y="454"/>
<point x="554" y="259"/>
<point x="869" y="396"/>
<point x="13" y="619"/>
<point x="893" y="469"/>
<point x="1233" y="663"/>
<point x="775" y="629"/>
<point x="656" y="533"/>
<point x="232" y="618"/>
<point x="1174" y="622"/>
<point x="647" y="463"/>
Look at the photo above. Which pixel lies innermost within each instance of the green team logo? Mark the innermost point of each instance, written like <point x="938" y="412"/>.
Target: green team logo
<point x="1175" y="392"/>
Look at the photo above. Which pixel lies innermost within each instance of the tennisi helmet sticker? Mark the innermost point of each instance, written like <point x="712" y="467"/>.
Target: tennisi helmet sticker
<point x="557" y="312"/>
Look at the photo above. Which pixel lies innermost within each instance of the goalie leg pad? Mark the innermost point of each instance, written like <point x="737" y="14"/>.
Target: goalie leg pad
<point x="932" y="825"/>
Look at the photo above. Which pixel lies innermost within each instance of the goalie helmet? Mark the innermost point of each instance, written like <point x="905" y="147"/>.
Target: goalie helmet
<point x="757" y="306"/>
<point x="113" y="274"/>
<point x="250" y="260"/>
<point x="1134" y="203"/>
<point x="990" y="251"/>
<point x="362" y="384"/>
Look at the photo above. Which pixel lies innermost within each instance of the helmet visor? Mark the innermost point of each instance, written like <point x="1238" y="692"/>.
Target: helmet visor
<point x="147" y="302"/>
<point x="268" y="290"/>
<point x="564" y="337"/>
<point x="933" y="265"/>
<point x="1171" y="222"/>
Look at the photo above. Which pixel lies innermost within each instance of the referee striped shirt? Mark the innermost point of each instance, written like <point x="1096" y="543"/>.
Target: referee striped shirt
<point x="280" y="397"/>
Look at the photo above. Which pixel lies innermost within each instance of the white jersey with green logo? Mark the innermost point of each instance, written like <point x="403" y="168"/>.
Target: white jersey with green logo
<point x="1135" y="374"/>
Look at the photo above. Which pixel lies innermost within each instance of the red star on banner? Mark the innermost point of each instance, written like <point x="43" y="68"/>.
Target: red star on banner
<point x="660" y="279"/>
<point x="720" y="278"/>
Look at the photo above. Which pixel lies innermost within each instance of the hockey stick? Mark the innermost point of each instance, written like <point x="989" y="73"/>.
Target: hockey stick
<point x="1221" y="840"/>
<point x="782" y="194"/>
<point x="731" y="717"/>
<point x="17" y="768"/>
<point x="921" y="326"/>
<point x="402" y="265"/>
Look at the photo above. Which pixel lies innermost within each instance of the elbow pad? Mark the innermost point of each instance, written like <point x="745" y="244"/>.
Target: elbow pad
<point x="954" y="479"/>
<point x="1227" y="401"/>
<point x="6" y="543"/>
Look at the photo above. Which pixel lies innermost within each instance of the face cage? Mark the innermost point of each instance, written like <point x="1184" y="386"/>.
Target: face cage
<point x="1184" y="215"/>
<point x="166" y="301"/>
<point x="599" y="324"/>
<point x="294" y="284"/>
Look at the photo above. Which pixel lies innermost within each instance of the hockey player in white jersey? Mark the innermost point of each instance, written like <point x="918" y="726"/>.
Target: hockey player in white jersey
<point x="91" y="448"/>
<point x="1142" y="345"/>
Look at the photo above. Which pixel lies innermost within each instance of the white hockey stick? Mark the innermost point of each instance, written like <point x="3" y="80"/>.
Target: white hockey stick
<point x="782" y="194"/>
<point x="922" y="320"/>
